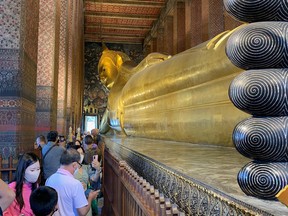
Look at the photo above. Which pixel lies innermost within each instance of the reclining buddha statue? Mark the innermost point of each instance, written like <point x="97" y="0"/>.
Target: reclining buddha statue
<point x="180" y="98"/>
<point x="192" y="96"/>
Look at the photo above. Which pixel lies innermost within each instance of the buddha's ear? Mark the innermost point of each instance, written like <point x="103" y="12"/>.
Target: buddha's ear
<point x="104" y="47"/>
<point x="119" y="60"/>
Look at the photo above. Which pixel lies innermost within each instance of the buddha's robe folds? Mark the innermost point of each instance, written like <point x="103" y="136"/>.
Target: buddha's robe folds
<point x="180" y="98"/>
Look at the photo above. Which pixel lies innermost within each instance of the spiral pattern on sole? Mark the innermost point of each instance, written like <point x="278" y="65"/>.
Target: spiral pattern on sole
<point x="259" y="45"/>
<point x="263" y="180"/>
<point x="261" y="92"/>
<point x="263" y="139"/>
<point x="257" y="10"/>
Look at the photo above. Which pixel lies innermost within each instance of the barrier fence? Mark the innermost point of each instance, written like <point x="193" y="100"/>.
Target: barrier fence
<point x="6" y="168"/>
<point x="127" y="193"/>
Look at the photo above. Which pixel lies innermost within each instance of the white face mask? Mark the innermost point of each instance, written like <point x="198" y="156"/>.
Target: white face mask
<point x="76" y="171"/>
<point x="81" y="158"/>
<point x="32" y="172"/>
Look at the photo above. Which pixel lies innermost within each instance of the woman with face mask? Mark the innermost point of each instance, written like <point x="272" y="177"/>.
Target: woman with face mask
<point x="25" y="181"/>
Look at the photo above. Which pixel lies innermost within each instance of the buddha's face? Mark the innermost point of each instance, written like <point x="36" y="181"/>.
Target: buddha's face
<point x="108" y="71"/>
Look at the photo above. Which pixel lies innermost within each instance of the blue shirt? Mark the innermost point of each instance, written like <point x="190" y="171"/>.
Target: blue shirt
<point x="51" y="162"/>
<point x="47" y="147"/>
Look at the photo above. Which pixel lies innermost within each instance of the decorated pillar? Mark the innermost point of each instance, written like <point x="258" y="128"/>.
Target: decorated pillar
<point x="154" y="44"/>
<point x="160" y="40"/>
<point x="18" y="60"/>
<point x="78" y="79"/>
<point x="216" y="18"/>
<point x="75" y="70"/>
<point x="147" y="49"/>
<point x="179" y="27"/>
<point x="211" y="17"/>
<point x="168" y="35"/>
<point x="204" y="20"/>
<point x="188" y="24"/>
<point x="74" y="67"/>
<point x="62" y="72"/>
<point x="47" y="67"/>
<point x="70" y="64"/>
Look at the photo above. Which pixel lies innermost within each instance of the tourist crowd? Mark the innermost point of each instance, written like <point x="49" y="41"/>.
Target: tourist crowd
<point x="64" y="179"/>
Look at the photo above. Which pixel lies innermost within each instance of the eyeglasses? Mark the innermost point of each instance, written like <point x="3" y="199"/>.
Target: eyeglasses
<point x="56" y="209"/>
<point x="79" y="164"/>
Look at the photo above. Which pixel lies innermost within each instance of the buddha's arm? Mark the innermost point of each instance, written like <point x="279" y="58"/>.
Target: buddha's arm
<point x="104" y="126"/>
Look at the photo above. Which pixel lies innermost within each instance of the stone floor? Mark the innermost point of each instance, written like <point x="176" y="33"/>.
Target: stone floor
<point x="214" y="166"/>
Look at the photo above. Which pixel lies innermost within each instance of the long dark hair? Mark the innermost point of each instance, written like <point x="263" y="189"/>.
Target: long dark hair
<point x="24" y="161"/>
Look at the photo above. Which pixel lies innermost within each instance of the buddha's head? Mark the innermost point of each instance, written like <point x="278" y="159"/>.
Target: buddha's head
<point x="109" y="66"/>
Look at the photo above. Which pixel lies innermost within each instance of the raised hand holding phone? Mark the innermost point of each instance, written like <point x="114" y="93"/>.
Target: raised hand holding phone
<point x="93" y="194"/>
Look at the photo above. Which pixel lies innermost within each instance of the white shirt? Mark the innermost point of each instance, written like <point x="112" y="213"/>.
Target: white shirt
<point x="70" y="192"/>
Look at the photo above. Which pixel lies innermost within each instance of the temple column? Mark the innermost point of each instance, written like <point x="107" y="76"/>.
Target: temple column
<point x="168" y="35"/>
<point x="179" y="27"/>
<point x="159" y="24"/>
<point x="204" y="20"/>
<point x="160" y="40"/>
<point x="212" y="18"/>
<point x="18" y="67"/>
<point x="62" y="75"/>
<point x="154" y="44"/>
<point x="74" y="67"/>
<point x="188" y="31"/>
<point x="196" y="23"/>
<point x="75" y="76"/>
<point x="47" y="68"/>
<point x="70" y="63"/>
<point x="78" y="79"/>
<point x="147" y="49"/>
<point x="216" y="18"/>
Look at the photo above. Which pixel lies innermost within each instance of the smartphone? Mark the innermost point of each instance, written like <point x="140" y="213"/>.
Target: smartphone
<point x="95" y="157"/>
<point x="96" y="185"/>
<point x="89" y="190"/>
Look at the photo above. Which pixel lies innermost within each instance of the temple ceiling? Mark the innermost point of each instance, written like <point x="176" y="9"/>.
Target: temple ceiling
<point x="121" y="21"/>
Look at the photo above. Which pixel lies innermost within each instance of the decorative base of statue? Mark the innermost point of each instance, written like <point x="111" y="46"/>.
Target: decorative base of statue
<point x="200" y="179"/>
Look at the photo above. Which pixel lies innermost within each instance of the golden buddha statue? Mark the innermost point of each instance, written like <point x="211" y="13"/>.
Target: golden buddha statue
<point x="180" y="98"/>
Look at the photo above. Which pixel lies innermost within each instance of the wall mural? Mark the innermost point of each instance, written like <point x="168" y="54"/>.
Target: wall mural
<point x="95" y="94"/>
